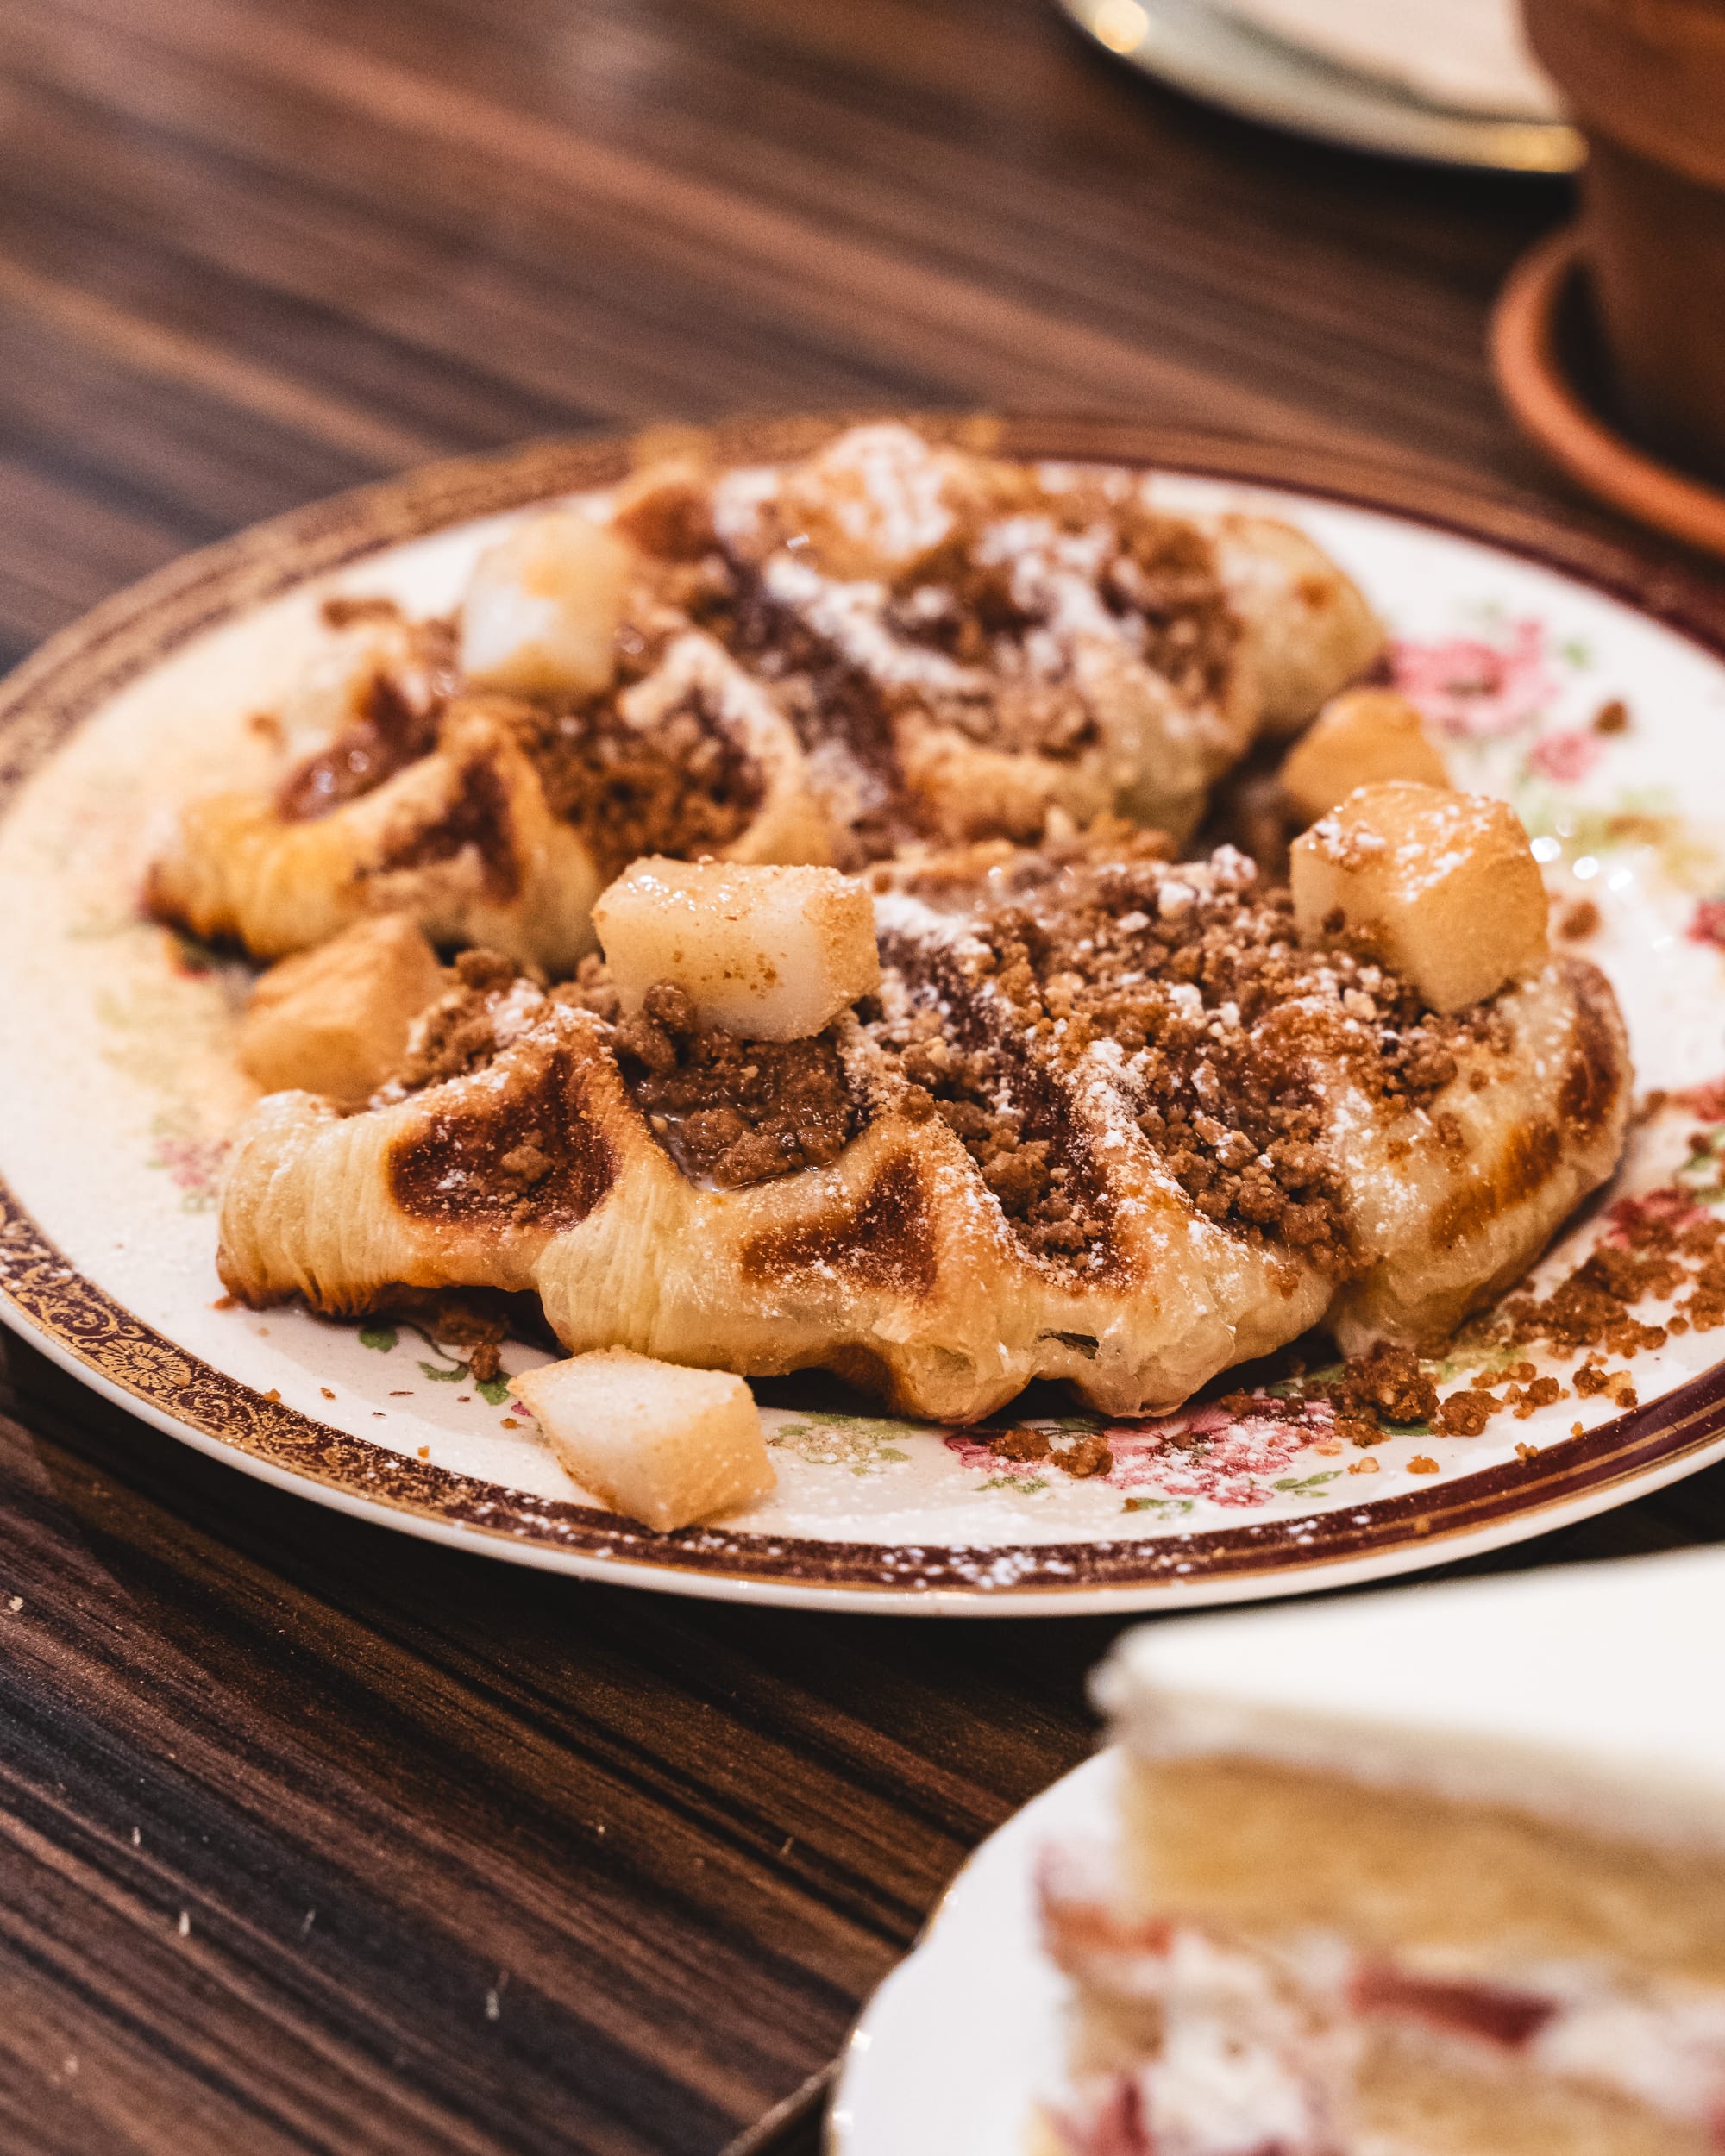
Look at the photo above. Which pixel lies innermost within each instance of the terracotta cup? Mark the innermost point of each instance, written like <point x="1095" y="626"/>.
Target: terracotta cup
<point x="1645" y="79"/>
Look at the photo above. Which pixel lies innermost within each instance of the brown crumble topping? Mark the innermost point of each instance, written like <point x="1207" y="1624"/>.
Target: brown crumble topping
<point x="1089" y="1456"/>
<point x="1084" y="1457"/>
<point x="1023" y="1444"/>
<point x="1422" y="1463"/>
<point x="1367" y="1466"/>
<point x="667" y="513"/>
<point x="1465" y="1413"/>
<point x="1579" y="920"/>
<point x="458" y="1033"/>
<point x="1195" y="977"/>
<point x="681" y="786"/>
<point x="1526" y="1451"/>
<point x="731" y="1111"/>
<point x="473" y="1326"/>
<point x="1612" y="718"/>
<point x="1390" y="1382"/>
<point x="458" y="1324"/>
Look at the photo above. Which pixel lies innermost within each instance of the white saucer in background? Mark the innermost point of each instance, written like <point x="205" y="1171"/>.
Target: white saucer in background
<point x="1351" y="80"/>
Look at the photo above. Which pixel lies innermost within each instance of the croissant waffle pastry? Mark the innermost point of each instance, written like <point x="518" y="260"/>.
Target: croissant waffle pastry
<point x="1104" y="1120"/>
<point x="886" y="644"/>
<point x="511" y="818"/>
<point x="967" y="643"/>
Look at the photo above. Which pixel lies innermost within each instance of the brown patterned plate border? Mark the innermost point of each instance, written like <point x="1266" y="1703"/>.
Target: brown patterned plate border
<point x="95" y="1337"/>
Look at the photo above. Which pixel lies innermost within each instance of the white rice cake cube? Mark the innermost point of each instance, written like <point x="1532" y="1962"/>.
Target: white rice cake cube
<point x="1362" y="737"/>
<point x="664" y="1445"/>
<point x="1442" y="886"/>
<point x="772" y="953"/>
<point x="543" y="606"/>
<point x="335" y="1020"/>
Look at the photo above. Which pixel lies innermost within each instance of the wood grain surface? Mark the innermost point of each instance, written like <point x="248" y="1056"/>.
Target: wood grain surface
<point x="314" y="1838"/>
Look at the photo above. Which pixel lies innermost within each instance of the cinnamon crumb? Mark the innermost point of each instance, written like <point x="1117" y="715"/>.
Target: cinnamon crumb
<point x="733" y="1111"/>
<point x="1464" y="1415"/>
<point x="1390" y="1382"/>
<point x="1195" y="976"/>
<point x="1579" y="920"/>
<point x="1022" y="1444"/>
<point x="1090" y="1456"/>
<point x="1422" y="1463"/>
<point x="1527" y="1400"/>
<point x="1525" y="1451"/>
<point x="1367" y="1466"/>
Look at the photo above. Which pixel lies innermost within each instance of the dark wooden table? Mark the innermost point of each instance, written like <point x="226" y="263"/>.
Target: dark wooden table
<point x="313" y="1838"/>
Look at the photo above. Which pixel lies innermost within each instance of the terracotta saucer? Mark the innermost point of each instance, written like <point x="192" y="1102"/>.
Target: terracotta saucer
<point x="1545" y="353"/>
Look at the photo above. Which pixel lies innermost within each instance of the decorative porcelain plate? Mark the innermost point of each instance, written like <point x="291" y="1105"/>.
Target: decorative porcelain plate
<point x="964" y="2036"/>
<point x="1560" y="686"/>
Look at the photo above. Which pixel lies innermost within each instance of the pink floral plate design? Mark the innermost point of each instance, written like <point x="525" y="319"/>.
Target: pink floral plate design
<point x="1557" y="673"/>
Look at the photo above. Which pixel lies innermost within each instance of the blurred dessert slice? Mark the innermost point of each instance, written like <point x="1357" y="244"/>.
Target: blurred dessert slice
<point x="1439" y="1872"/>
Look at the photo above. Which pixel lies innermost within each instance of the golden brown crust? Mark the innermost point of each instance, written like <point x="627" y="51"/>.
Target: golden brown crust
<point x="505" y="833"/>
<point x="939" y="647"/>
<point x="904" y="1258"/>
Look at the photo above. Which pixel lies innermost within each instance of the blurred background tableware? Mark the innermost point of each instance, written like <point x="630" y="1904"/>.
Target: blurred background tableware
<point x="1645" y="79"/>
<point x="1450" y="85"/>
<point x="1547" y="351"/>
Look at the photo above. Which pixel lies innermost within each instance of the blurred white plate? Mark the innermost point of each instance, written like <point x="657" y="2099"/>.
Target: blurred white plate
<point x="1199" y="48"/>
<point x="954" y="2049"/>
